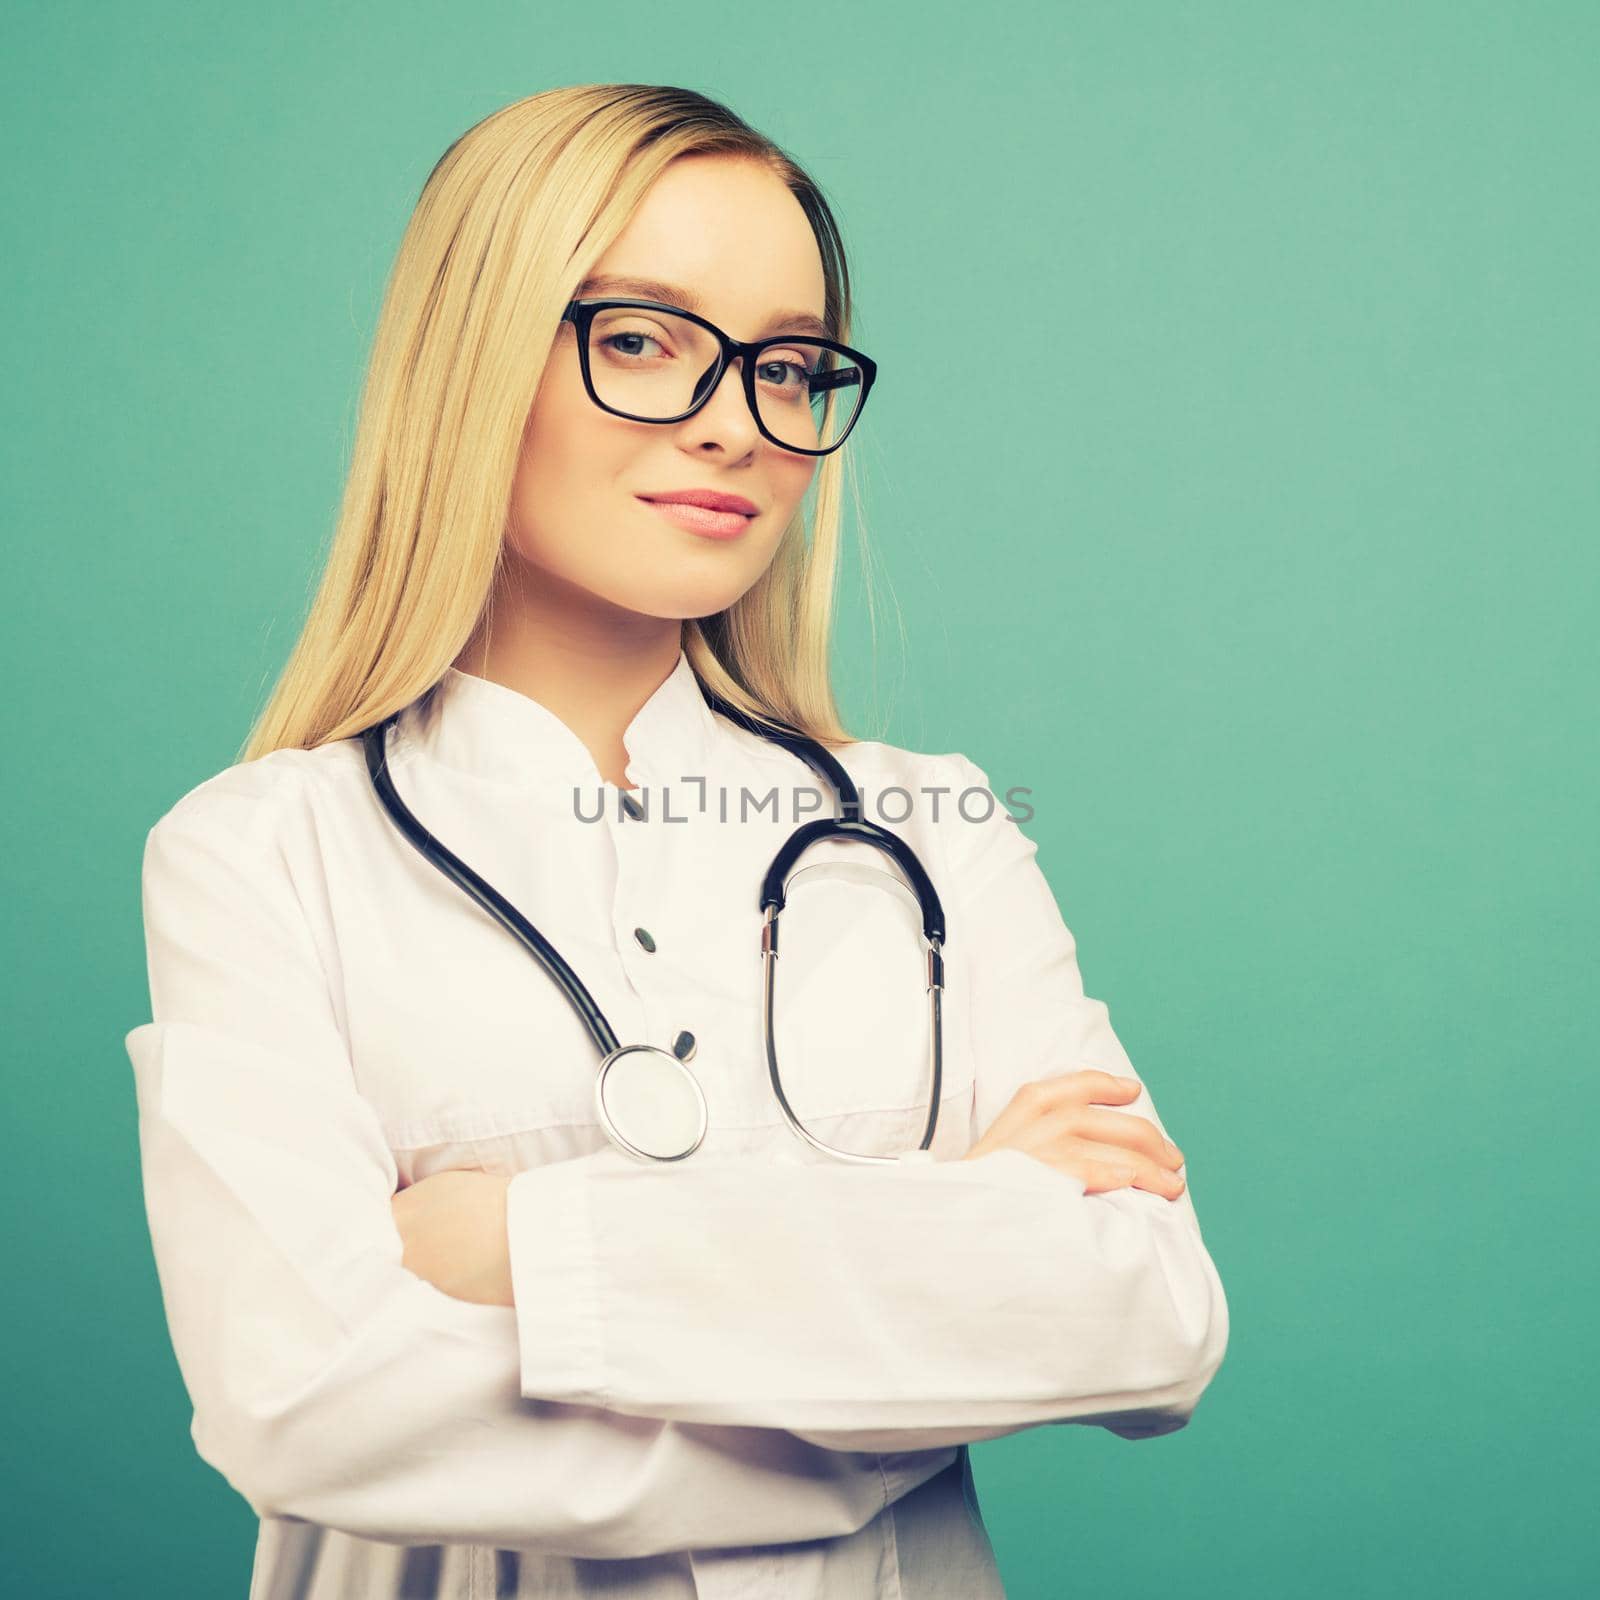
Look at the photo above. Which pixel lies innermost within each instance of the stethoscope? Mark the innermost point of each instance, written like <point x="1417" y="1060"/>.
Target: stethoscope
<point x="648" y="1101"/>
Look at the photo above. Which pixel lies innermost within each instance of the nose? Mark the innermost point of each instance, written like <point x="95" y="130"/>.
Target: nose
<point x="726" y="411"/>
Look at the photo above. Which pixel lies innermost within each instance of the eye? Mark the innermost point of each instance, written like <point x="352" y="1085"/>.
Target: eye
<point x="610" y="342"/>
<point x="788" y="369"/>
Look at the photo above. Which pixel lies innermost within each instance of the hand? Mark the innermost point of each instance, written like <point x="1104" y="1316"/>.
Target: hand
<point x="1053" y="1120"/>
<point x="453" y="1233"/>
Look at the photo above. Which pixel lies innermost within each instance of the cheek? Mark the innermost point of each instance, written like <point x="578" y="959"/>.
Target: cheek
<point x="791" y="477"/>
<point x="568" y="455"/>
<point x="553" y="441"/>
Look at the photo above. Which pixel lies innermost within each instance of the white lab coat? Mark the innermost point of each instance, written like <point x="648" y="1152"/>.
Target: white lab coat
<point x="749" y="1373"/>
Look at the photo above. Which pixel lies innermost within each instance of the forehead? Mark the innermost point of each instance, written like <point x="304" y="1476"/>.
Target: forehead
<point x="729" y="240"/>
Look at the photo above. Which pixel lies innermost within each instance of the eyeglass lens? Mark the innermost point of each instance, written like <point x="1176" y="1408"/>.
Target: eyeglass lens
<point x="655" y="365"/>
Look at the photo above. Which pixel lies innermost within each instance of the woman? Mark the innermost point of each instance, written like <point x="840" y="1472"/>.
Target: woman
<point x="441" y="1330"/>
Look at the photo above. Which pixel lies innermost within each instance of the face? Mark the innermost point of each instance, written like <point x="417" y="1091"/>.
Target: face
<point x="733" y="235"/>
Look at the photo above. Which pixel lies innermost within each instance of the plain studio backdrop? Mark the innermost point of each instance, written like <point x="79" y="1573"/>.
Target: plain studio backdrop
<point x="1233" y="478"/>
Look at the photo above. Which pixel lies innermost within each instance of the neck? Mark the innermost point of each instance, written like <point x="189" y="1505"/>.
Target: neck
<point x="593" y="665"/>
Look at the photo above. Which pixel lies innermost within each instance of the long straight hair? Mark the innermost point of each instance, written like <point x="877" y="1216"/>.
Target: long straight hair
<point x="509" y="222"/>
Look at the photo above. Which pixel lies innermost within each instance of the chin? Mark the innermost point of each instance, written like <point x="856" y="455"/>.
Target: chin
<point x="656" y="588"/>
<point x="678" y="602"/>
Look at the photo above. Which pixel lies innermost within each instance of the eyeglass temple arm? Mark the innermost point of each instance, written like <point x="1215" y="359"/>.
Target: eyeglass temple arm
<point x="840" y="378"/>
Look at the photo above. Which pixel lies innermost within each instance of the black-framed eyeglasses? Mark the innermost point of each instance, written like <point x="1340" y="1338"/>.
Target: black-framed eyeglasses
<point x="651" y="362"/>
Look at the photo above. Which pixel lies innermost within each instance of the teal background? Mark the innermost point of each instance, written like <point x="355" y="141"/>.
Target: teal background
<point x="1233" y="468"/>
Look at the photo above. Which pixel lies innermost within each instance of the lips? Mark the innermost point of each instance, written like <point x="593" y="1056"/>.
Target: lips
<point x="709" y="522"/>
<point x="707" y="499"/>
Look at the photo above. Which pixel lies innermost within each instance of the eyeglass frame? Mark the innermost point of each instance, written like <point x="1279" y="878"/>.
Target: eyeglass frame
<point x="581" y="313"/>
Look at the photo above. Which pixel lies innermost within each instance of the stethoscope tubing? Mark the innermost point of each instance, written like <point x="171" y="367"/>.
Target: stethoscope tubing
<point x="771" y="903"/>
<point x="433" y="849"/>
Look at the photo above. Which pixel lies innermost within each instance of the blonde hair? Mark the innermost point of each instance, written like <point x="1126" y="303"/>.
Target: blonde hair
<point x="510" y="220"/>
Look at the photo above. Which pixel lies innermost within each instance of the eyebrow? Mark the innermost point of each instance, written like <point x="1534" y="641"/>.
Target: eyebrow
<point x="672" y="295"/>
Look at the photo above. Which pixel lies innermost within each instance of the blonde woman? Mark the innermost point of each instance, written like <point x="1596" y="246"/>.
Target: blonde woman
<point x="445" y="1325"/>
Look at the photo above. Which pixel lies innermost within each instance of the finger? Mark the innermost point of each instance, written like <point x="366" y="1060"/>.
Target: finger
<point x="1138" y="1172"/>
<point x="1026" y="1106"/>
<point x="1127" y="1128"/>
<point x="1157" y="1180"/>
<point x="1141" y="1172"/>
<point x="1041" y="1096"/>
<point x="1109" y="1088"/>
<point x="1079" y="1088"/>
<point x="1096" y="1174"/>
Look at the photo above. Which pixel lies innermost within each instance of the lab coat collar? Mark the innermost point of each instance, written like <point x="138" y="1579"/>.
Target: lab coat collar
<point x="485" y="728"/>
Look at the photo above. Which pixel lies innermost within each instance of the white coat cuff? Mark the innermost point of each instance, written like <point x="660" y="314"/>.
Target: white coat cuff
<point x="551" y="1240"/>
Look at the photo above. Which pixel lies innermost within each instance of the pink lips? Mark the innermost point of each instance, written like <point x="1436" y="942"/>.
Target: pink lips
<point x="705" y="511"/>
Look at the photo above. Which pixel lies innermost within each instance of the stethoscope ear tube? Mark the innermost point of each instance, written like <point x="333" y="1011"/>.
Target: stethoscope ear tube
<point x="821" y="760"/>
<point x="810" y="833"/>
<point x="850" y="826"/>
<point x="769" y="978"/>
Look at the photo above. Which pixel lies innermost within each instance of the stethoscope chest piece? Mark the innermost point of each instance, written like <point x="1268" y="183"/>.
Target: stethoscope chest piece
<point x="650" y="1103"/>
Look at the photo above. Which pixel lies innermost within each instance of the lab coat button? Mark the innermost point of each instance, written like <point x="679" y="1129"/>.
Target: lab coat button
<point x="683" y="1046"/>
<point x="632" y="806"/>
<point x="643" y="936"/>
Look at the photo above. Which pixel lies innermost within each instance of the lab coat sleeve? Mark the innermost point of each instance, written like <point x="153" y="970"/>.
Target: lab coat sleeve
<point x="902" y="1306"/>
<point x="329" y="1383"/>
